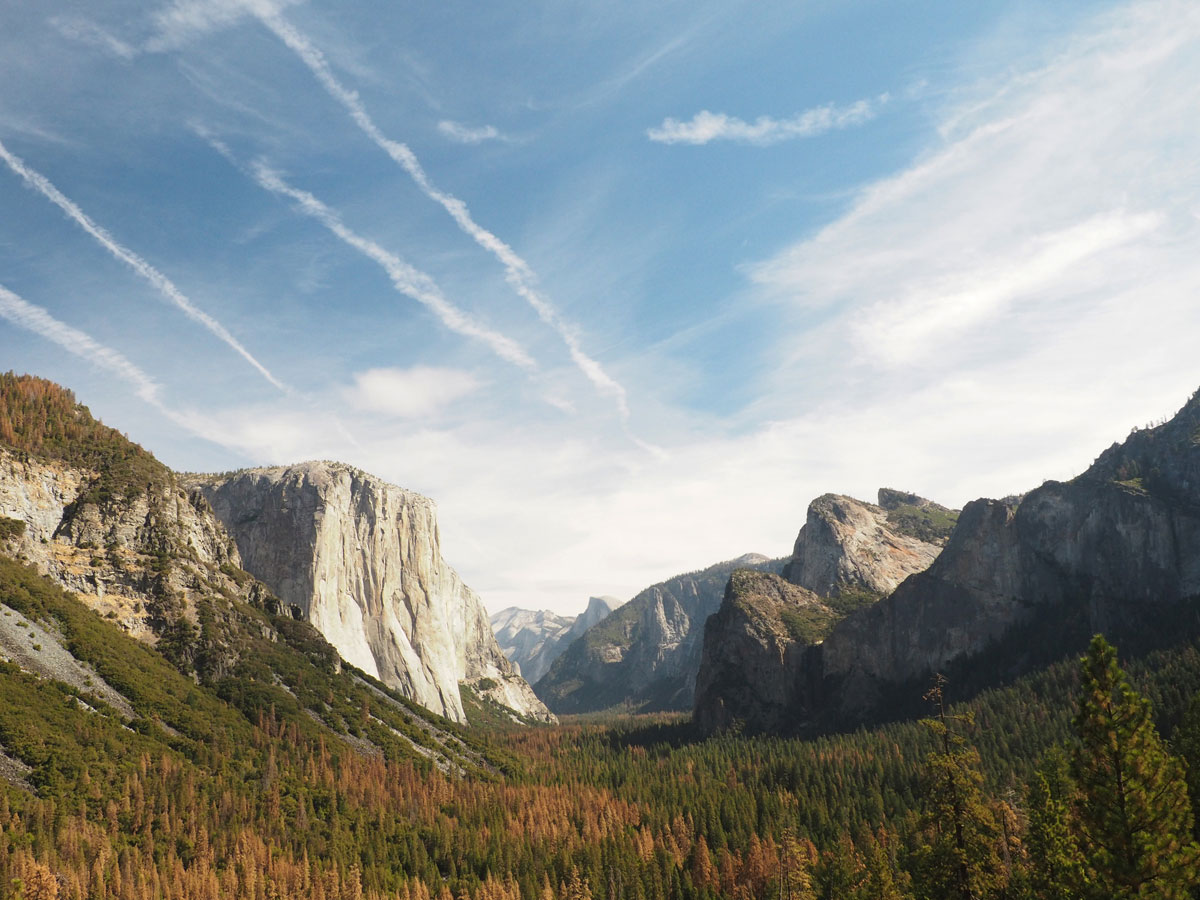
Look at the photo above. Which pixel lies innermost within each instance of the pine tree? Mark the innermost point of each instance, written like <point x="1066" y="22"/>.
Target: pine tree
<point x="961" y="859"/>
<point x="1054" y="855"/>
<point x="1135" y="819"/>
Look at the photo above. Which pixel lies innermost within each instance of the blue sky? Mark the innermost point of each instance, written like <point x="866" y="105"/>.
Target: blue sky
<point x="622" y="286"/>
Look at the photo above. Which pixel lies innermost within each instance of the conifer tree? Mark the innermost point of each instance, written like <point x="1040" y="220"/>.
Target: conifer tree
<point x="881" y="882"/>
<point x="960" y="860"/>
<point x="1135" y="819"/>
<point x="1054" y="857"/>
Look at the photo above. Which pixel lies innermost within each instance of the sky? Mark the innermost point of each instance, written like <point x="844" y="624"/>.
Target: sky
<point x="621" y="286"/>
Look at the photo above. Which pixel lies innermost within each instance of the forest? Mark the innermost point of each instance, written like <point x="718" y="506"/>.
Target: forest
<point x="1073" y="782"/>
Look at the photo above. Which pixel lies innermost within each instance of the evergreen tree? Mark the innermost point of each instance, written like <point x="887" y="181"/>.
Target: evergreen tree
<point x="960" y="859"/>
<point x="1186" y="742"/>
<point x="881" y="882"/>
<point x="1135" y="819"/>
<point x="1054" y="857"/>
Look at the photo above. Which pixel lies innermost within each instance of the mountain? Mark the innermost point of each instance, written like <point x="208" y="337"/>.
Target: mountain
<point x="646" y="654"/>
<point x="1116" y="550"/>
<point x="142" y="546"/>
<point x="533" y="639"/>
<point x="106" y="520"/>
<point x="848" y="546"/>
<point x="1019" y="583"/>
<point x="751" y="670"/>
<point x="361" y="559"/>
<point x="848" y="555"/>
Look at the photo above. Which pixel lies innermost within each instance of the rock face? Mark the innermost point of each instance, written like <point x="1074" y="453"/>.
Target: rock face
<point x="846" y="545"/>
<point x="760" y="648"/>
<point x="142" y="560"/>
<point x="533" y="639"/>
<point x="1115" y="550"/>
<point x="647" y="653"/>
<point x="361" y="559"/>
<point x="753" y="672"/>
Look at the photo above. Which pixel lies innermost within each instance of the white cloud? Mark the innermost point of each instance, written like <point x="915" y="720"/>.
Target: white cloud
<point x="409" y="393"/>
<point x="37" y="320"/>
<point x="406" y="279"/>
<point x="706" y="126"/>
<point x="1052" y="192"/>
<point x="466" y="134"/>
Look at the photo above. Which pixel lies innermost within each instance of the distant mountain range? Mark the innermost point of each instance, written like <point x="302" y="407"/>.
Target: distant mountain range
<point x="533" y="639"/>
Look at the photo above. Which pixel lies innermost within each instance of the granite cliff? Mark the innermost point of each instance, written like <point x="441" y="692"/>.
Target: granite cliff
<point x="848" y="546"/>
<point x="1019" y="583"/>
<point x="533" y="639"/>
<point x="1115" y="550"/>
<point x="361" y="559"/>
<point x="646" y="654"/>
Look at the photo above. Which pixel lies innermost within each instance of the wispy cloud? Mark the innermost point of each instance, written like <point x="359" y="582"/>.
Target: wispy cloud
<point x="466" y="134"/>
<point x="706" y="126"/>
<point x="184" y="20"/>
<point x="88" y="32"/>
<point x="163" y="285"/>
<point x="406" y="279"/>
<point x="518" y="273"/>
<point x="37" y="320"/>
<point x="409" y="393"/>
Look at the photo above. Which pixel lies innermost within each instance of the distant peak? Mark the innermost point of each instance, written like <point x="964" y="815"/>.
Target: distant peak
<point x="604" y="603"/>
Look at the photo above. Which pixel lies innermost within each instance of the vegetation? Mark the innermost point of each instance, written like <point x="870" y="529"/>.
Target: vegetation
<point x="43" y="420"/>
<point x="11" y="528"/>
<point x="295" y="776"/>
<point x="927" y="522"/>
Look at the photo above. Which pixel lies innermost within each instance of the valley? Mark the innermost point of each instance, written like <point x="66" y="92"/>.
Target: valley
<point x="221" y="686"/>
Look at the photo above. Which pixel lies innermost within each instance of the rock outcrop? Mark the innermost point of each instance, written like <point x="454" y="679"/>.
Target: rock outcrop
<point x="533" y="639"/>
<point x="143" y="558"/>
<point x="756" y="660"/>
<point x="848" y="546"/>
<point x="753" y="672"/>
<point x="361" y="559"/>
<point x="644" y="656"/>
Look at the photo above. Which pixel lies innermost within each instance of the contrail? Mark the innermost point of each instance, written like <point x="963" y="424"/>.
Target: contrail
<point x="517" y="272"/>
<point x="157" y="279"/>
<point x="406" y="279"/>
<point x="39" y="321"/>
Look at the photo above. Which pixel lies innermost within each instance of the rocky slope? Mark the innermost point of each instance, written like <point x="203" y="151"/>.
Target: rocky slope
<point x="150" y="557"/>
<point x="1023" y="581"/>
<point x="533" y="639"/>
<point x="361" y="559"/>
<point x="646" y="654"/>
<point x="753" y="671"/>
<point x="848" y="546"/>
